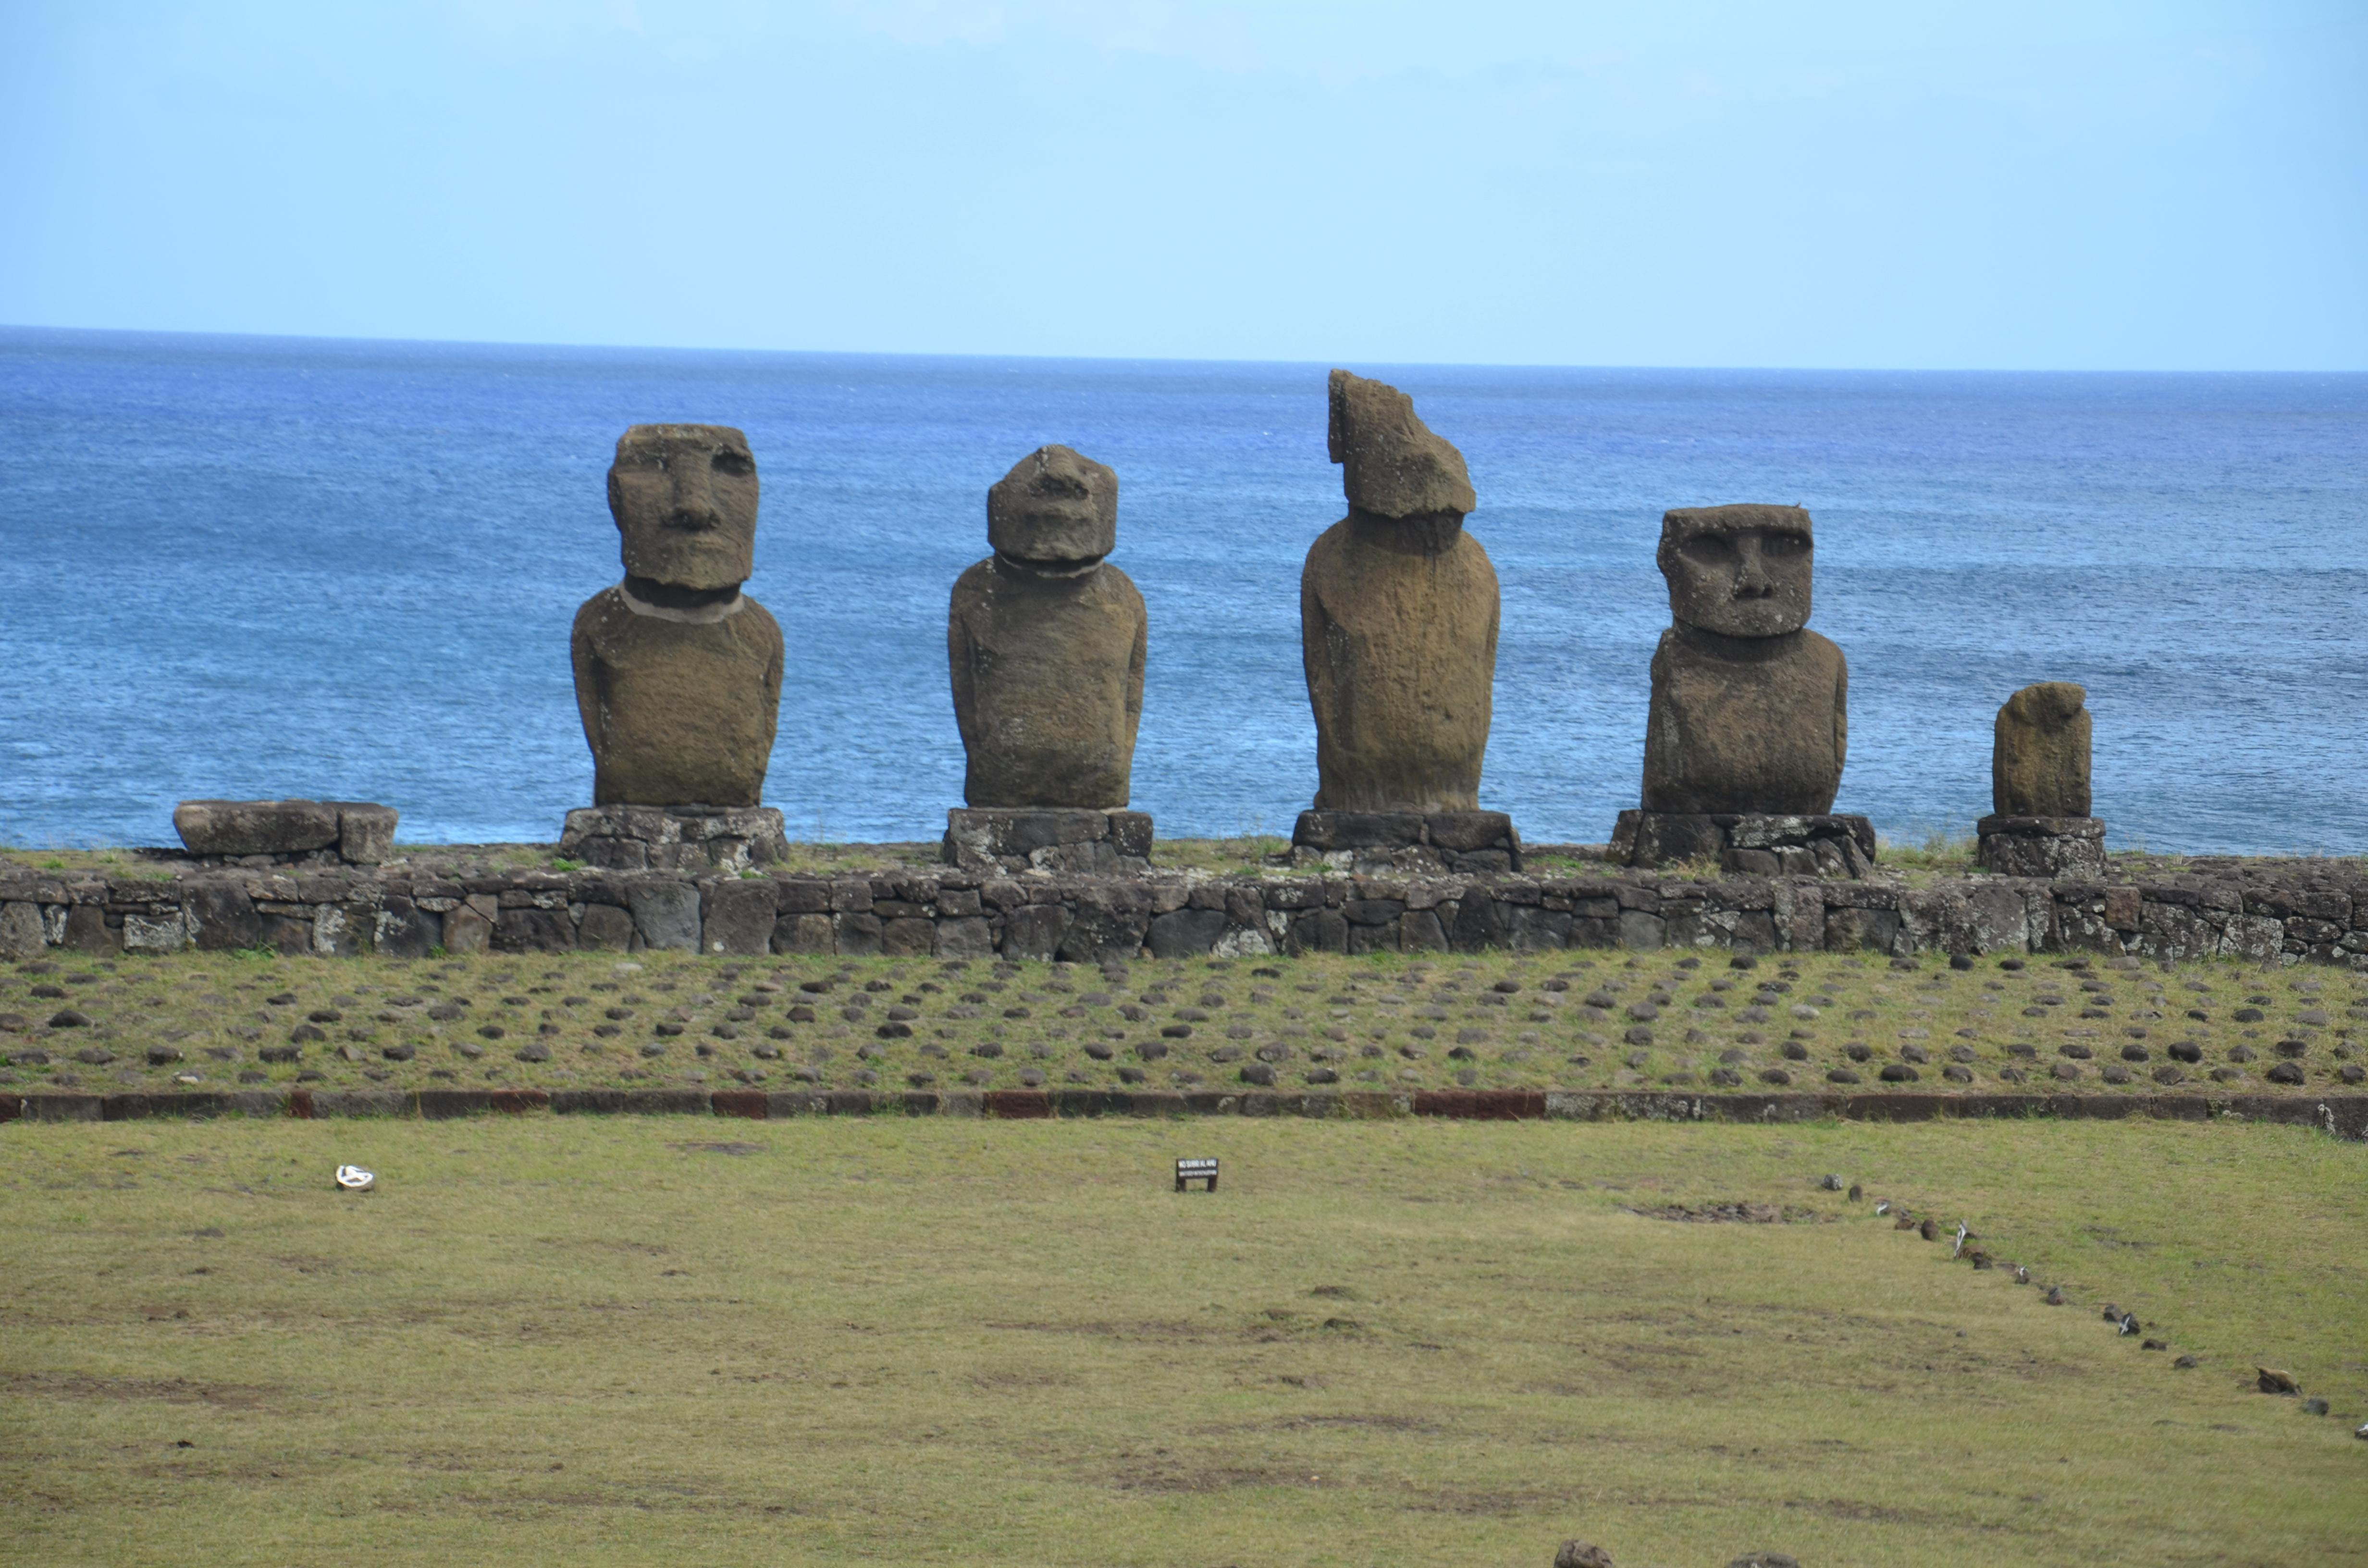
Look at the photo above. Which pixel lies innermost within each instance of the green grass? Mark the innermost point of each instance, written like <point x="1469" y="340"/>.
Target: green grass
<point x="626" y="1341"/>
<point x="1570" y="1019"/>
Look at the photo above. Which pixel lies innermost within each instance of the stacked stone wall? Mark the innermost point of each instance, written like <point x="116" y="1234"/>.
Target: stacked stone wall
<point x="2310" y="911"/>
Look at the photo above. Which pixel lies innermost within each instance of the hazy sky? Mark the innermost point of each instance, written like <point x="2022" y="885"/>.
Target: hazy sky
<point x="2054" y="185"/>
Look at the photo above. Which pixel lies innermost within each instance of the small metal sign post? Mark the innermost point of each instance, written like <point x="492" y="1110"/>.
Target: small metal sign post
<point x="1189" y="1171"/>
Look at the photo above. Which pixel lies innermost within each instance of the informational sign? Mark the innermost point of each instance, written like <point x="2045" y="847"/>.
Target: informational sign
<point x="1189" y="1171"/>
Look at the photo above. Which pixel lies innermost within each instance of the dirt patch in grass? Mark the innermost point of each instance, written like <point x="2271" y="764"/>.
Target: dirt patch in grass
<point x="166" y="1391"/>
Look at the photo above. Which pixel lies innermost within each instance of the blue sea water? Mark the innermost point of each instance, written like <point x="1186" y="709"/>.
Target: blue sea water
<point x="252" y="567"/>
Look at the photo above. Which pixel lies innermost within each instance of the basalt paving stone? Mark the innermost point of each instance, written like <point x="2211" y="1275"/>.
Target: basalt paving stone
<point x="1388" y="1022"/>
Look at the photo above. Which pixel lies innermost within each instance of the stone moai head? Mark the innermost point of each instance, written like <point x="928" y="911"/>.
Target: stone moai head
<point x="1055" y="508"/>
<point x="1739" y="570"/>
<point x="1391" y="466"/>
<point x="684" y="499"/>
<point x="2039" y="758"/>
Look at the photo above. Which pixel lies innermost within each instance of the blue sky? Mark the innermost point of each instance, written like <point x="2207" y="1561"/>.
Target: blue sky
<point x="2162" y="186"/>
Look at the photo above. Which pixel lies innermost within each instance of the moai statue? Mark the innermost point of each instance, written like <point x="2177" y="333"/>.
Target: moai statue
<point x="2039" y="758"/>
<point x="1751" y="710"/>
<point x="1397" y="626"/>
<point x="1044" y="643"/>
<point x="2040" y="824"/>
<point x="678" y="671"/>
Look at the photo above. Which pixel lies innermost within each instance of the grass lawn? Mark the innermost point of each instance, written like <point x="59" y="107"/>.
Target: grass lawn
<point x="620" y="1340"/>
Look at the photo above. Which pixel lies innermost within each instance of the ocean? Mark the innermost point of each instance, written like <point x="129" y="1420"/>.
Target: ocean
<point x="266" y="567"/>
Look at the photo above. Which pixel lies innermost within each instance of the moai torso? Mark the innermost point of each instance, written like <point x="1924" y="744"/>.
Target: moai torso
<point x="2039" y="758"/>
<point x="1749" y="724"/>
<point x="1750" y="710"/>
<point x="1399" y="642"/>
<point x="1046" y="644"/>
<point x="677" y="673"/>
<point x="678" y="713"/>
<point x="1397" y="617"/>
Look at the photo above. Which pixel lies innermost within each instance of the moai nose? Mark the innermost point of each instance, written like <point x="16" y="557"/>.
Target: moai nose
<point x="693" y="502"/>
<point x="1751" y="579"/>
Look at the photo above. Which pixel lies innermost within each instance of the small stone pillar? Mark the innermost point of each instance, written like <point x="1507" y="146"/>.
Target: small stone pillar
<point x="2040" y="824"/>
<point x="1749" y="722"/>
<point x="678" y="671"/>
<point x="1045" y="645"/>
<point x="1398" y="616"/>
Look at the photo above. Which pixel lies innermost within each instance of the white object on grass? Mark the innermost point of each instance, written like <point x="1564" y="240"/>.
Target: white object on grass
<point x="353" y="1178"/>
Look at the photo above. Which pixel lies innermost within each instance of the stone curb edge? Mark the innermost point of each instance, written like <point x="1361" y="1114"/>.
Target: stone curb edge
<point x="2343" y="1116"/>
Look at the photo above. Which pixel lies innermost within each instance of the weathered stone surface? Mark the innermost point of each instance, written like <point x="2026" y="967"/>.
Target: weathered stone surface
<point x="364" y="833"/>
<point x="533" y="931"/>
<point x="1045" y="642"/>
<point x="21" y="936"/>
<point x="1078" y="840"/>
<point x="1755" y="846"/>
<point x="1749" y="709"/>
<point x="2039" y="758"/>
<point x="1055" y="506"/>
<point x="1398" y="617"/>
<point x="1392" y="465"/>
<point x="256" y="827"/>
<point x="404" y="930"/>
<point x="1184" y="933"/>
<point x="686" y="838"/>
<point x="665" y="914"/>
<point x="1406" y="842"/>
<point x="605" y="928"/>
<point x="678" y="712"/>
<point x="677" y="673"/>
<point x="737" y="917"/>
<point x="684" y="498"/>
<point x="221" y="917"/>
<point x="2041" y="846"/>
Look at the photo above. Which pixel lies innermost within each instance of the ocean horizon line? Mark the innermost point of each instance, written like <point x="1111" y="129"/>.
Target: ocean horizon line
<point x="156" y="337"/>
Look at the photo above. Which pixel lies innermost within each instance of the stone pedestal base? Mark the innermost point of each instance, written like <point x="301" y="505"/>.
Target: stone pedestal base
<point x="675" y="838"/>
<point x="1750" y="845"/>
<point x="1078" y="840"/>
<point x="286" y="833"/>
<point x="2041" y="846"/>
<point x="1407" y="841"/>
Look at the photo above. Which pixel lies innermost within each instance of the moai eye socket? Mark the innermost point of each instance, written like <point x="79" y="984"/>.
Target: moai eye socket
<point x="1784" y="545"/>
<point x="1708" y="550"/>
<point x="736" y="464"/>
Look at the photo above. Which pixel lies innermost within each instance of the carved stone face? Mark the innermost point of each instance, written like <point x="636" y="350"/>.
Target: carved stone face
<point x="1054" y="508"/>
<point x="1739" y="570"/>
<point x="684" y="499"/>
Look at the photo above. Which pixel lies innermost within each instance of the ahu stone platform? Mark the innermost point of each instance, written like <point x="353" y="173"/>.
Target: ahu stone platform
<point x="2303" y="911"/>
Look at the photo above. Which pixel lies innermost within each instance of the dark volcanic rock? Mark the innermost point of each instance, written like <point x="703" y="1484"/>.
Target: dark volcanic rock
<point x="1398" y="617"/>
<point x="677" y="673"/>
<point x="1045" y="642"/>
<point x="1749" y="709"/>
<point x="2039" y="755"/>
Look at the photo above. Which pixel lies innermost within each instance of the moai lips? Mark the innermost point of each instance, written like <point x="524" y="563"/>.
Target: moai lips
<point x="677" y="673"/>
